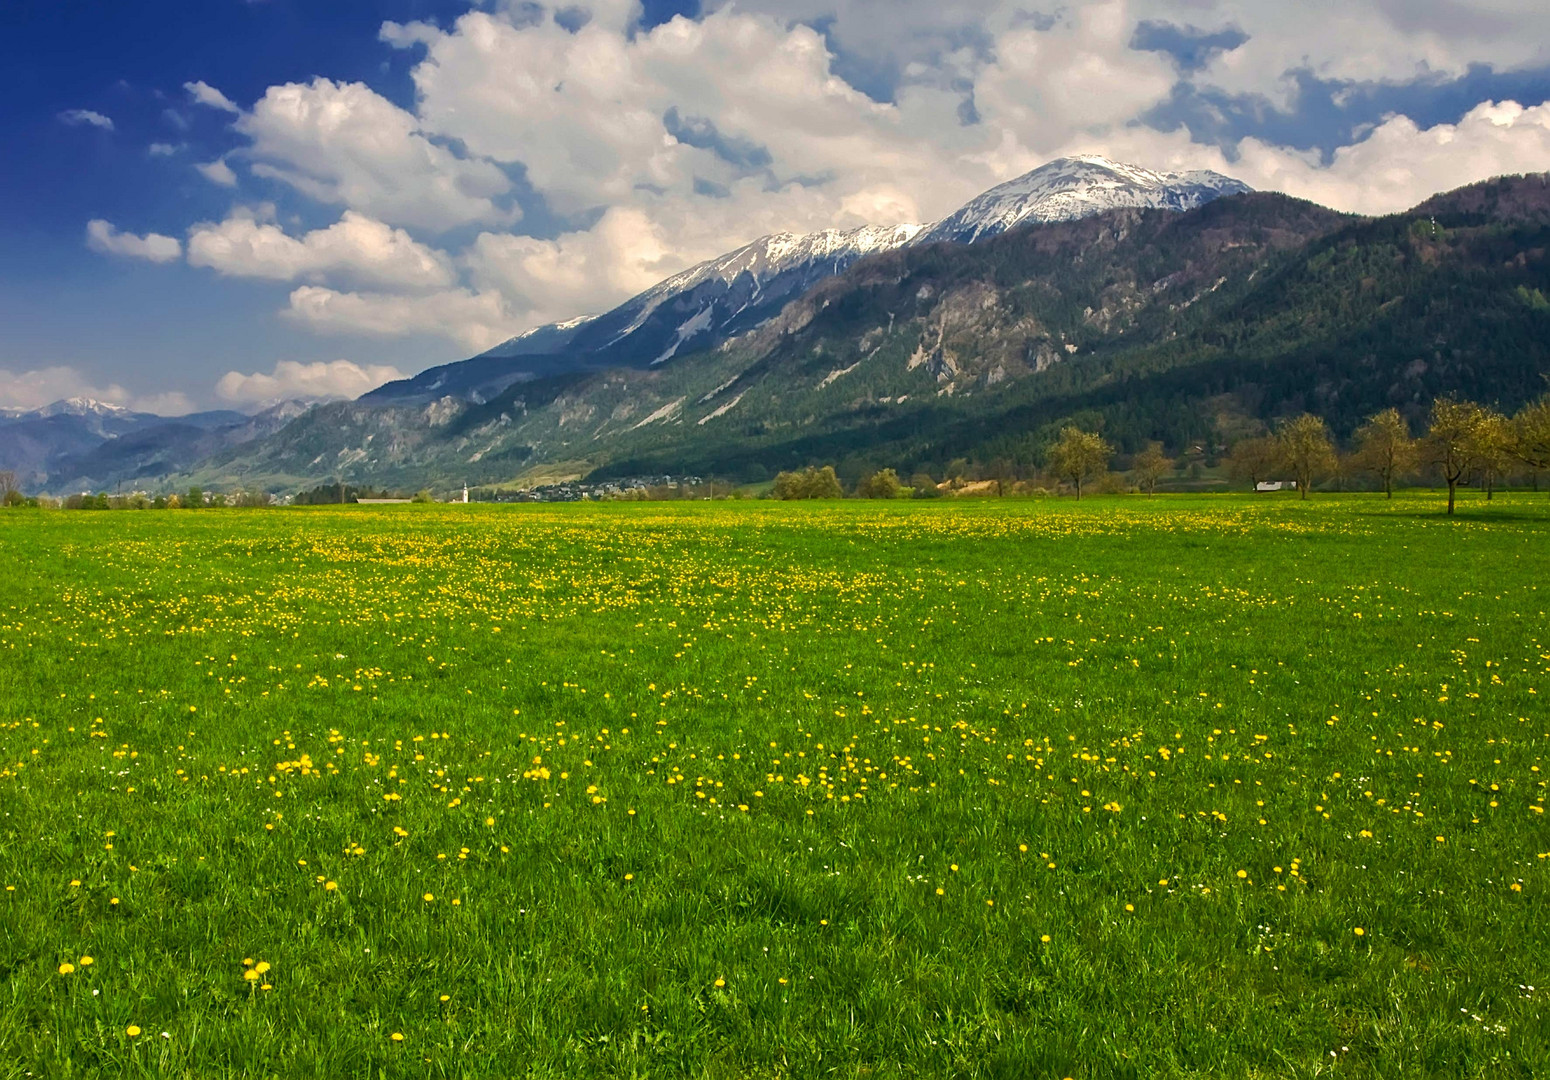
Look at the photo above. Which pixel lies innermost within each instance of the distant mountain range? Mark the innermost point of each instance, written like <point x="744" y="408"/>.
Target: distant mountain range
<point x="1174" y="306"/>
<point x="82" y="444"/>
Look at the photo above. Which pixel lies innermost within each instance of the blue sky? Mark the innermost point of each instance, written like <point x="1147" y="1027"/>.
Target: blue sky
<point x="229" y="202"/>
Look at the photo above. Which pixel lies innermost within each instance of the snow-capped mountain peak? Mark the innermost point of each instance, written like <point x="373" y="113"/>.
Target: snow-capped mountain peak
<point x="1076" y="187"/>
<point x="81" y="406"/>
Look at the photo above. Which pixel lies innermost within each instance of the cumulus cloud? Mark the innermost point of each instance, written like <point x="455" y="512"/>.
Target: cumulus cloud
<point x="477" y="320"/>
<point x="1400" y="164"/>
<point x="218" y="172"/>
<point x="343" y="143"/>
<point x="37" y="387"/>
<point x="666" y="146"/>
<point x="356" y="247"/>
<point x="205" y="94"/>
<point x="103" y="237"/>
<point x="316" y="381"/>
<point x="161" y="149"/>
<point x="77" y="117"/>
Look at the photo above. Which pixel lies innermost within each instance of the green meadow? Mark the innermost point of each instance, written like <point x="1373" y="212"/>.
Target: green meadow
<point x="1172" y="787"/>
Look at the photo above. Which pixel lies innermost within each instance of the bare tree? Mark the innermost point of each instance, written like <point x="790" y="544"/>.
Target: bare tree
<point x="1079" y="454"/>
<point x="1385" y="448"/>
<point x="1305" y="449"/>
<point x="1531" y="436"/>
<point x="8" y="488"/>
<point x="1452" y="442"/>
<point x="1253" y="460"/>
<point x="1493" y="451"/>
<point x="1150" y="465"/>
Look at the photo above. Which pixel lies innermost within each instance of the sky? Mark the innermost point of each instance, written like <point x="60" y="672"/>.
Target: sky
<point x="233" y="202"/>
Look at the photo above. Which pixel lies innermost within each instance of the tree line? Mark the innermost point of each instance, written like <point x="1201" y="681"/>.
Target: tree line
<point x="1464" y="443"/>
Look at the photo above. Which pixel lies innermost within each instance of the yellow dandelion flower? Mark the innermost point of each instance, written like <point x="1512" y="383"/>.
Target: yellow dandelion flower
<point x="66" y="968"/>
<point x="87" y="961"/>
<point x="430" y="897"/>
<point x="1044" y="938"/>
<point x="720" y="983"/>
<point x="261" y="967"/>
<point x="133" y="1031"/>
<point x="1359" y="932"/>
<point x="397" y="1036"/>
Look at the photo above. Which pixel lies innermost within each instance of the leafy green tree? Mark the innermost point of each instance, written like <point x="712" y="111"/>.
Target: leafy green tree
<point x="1453" y="440"/>
<point x="1079" y="455"/>
<point x="1385" y="448"/>
<point x="1253" y="460"/>
<point x="1305" y="449"/>
<point x="1150" y="465"/>
<point x="883" y="484"/>
<point x="810" y="483"/>
<point x="194" y="499"/>
<point x="1531" y="436"/>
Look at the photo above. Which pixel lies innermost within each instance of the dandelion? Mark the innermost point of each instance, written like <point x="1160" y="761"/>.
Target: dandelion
<point x="1044" y="938"/>
<point x="629" y="877"/>
<point x="397" y="1036"/>
<point x="430" y="897"/>
<point x="720" y="983"/>
<point x="66" y="968"/>
<point x="133" y="1031"/>
<point x="331" y="886"/>
<point x="1359" y="932"/>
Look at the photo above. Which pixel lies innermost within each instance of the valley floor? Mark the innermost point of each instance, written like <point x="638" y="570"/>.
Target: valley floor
<point x="1193" y="786"/>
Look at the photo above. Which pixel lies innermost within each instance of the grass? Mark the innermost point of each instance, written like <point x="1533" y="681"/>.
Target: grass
<point x="1189" y="786"/>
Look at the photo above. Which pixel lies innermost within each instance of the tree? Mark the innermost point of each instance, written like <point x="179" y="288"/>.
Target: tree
<point x="1150" y="465"/>
<point x="810" y="483"/>
<point x="1385" y="448"/>
<point x="1253" y="460"/>
<point x="1305" y="449"/>
<point x="923" y="486"/>
<point x="1078" y="455"/>
<point x="1493" y="449"/>
<point x="883" y="484"/>
<point x="194" y="499"/>
<point x="1531" y="436"/>
<point x="1453" y="440"/>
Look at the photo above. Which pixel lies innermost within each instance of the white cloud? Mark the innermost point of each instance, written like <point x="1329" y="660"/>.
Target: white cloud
<point x="342" y="143"/>
<point x="161" y="149"/>
<point x="355" y="247"/>
<point x="316" y="381"/>
<point x="677" y="143"/>
<point x="77" y="117"/>
<point x="477" y="320"/>
<point x="102" y="237"/>
<point x="205" y="94"/>
<point x="37" y="387"/>
<point x="1400" y="164"/>
<point x="218" y="172"/>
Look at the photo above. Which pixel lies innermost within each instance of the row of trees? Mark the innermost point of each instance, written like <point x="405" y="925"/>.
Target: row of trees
<point x="1464" y="442"/>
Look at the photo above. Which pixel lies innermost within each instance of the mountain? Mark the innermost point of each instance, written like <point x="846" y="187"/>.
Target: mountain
<point x="1071" y="188"/>
<point x="1193" y="327"/>
<point x="696" y="309"/>
<point x="80" y="444"/>
<point x="707" y="304"/>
